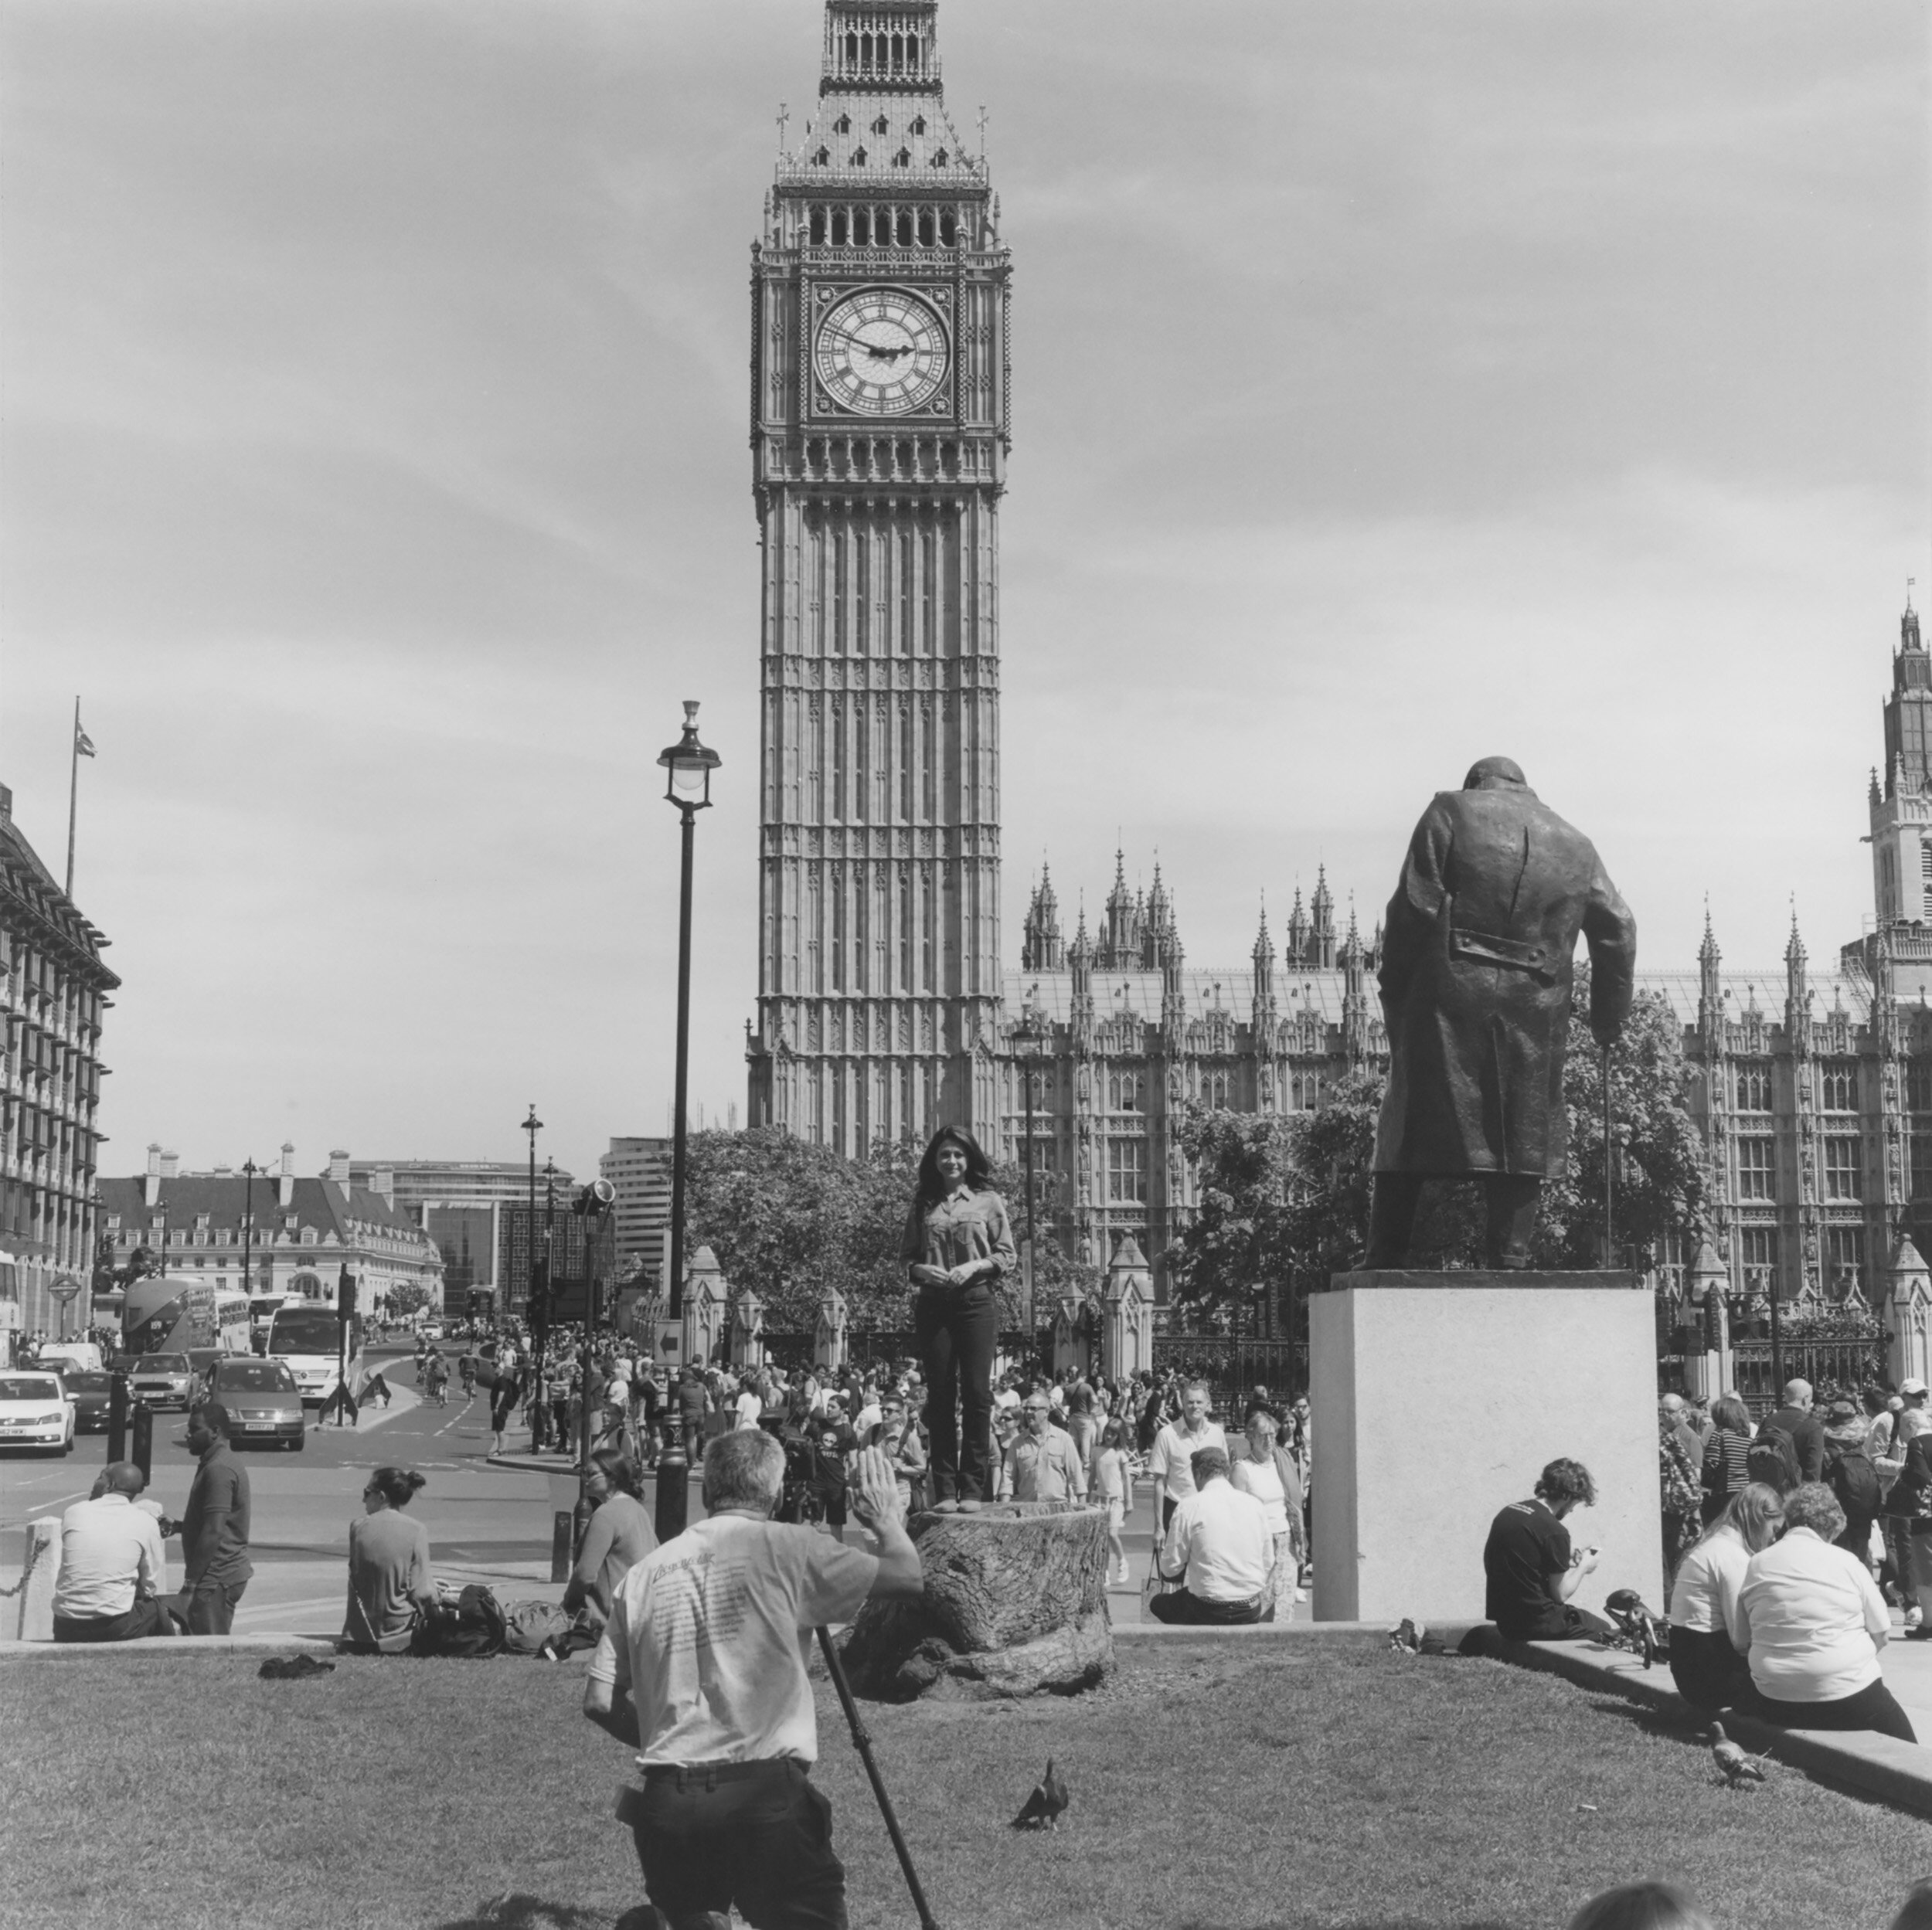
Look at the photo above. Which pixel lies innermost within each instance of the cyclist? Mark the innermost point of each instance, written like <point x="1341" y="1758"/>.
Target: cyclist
<point x="437" y="1378"/>
<point x="466" y="1368"/>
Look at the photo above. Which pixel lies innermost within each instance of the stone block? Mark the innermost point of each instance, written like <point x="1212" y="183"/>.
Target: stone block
<point x="1436" y="1399"/>
<point x="1015" y="1603"/>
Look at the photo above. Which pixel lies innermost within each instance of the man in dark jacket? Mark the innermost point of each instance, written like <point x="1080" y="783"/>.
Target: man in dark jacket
<point x="214" y="1531"/>
<point x="1475" y="981"/>
<point x="1807" y="1431"/>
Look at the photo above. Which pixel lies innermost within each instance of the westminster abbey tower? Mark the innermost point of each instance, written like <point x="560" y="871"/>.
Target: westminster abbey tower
<point x="880" y="429"/>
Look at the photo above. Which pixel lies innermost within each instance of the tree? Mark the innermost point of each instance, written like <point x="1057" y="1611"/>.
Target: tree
<point x="1283" y="1202"/>
<point x="788" y="1219"/>
<point x="407" y="1297"/>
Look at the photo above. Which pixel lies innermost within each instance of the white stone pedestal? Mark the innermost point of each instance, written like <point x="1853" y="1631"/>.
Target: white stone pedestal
<point x="1438" y="1398"/>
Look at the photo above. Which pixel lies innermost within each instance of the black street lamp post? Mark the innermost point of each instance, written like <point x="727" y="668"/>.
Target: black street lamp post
<point x="690" y="764"/>
<point x="533" y="1125"/>
<point x="540" y="1308"/>
<point x="1028" y="1034"/>
<point x="250" y="1169"/>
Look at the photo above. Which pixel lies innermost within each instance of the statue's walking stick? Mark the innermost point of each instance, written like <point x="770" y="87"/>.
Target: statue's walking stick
<point x="1609" y="1169"/>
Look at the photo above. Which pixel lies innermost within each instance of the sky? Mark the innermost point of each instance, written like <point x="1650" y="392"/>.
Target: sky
<point x="1395" y="385"/>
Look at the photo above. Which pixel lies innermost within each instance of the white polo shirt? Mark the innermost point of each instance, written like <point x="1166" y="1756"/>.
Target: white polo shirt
<point x="1812" y="1618"/>
<point x="107" y="1547"/>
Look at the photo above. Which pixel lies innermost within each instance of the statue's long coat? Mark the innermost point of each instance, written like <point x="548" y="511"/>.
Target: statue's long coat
<point x="1476" y="980"/>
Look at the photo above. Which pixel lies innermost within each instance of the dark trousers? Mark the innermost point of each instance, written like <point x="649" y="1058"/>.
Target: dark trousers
<point x="956" y="1331"/>
<point x="1181" y="1606"/>
<point x="211" y="1609"/>
<point x="147" y="1617"/>
<point x="1511" y="1198"/>
<point x="1709" y="1673"/>
<point x="756" y="1835"/>
<point x="1874" y="1707"/>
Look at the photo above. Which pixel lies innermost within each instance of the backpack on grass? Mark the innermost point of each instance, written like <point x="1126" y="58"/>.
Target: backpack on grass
<point x="472" y="1626"/>
<point x="529" y="1627"/>
<point x="1773" y="1460"/>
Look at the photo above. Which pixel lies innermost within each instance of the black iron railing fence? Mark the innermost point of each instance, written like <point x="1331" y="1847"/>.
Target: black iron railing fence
<point x="1232" y="1367"/>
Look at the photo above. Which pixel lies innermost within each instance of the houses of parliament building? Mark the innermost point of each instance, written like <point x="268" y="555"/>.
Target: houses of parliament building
<point x="881" y="426"/>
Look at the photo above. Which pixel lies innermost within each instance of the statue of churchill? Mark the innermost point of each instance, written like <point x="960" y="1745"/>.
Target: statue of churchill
<point x="1475" y="984"/>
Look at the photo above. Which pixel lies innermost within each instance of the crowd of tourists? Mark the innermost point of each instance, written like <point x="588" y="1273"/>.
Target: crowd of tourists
<point x="1788" y="1543"/>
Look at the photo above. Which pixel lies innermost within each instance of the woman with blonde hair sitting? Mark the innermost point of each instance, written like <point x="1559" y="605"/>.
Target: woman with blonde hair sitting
<point x="1709" y="1672"/>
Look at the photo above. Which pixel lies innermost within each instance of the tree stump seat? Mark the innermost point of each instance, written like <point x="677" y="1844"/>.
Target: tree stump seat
<point x="1015" y="1603"/>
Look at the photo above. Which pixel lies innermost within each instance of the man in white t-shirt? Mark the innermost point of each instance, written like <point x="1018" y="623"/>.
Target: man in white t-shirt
<point x="1218" y="1547"/>
<point x="1171" y="1463"/>
<point x="702" y="1667"/>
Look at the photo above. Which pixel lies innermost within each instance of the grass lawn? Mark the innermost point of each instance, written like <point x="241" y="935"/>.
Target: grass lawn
<point x="1223" y="1787"/>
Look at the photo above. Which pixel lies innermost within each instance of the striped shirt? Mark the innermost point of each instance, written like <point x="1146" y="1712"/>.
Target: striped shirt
<point x="1726" y="1458"/>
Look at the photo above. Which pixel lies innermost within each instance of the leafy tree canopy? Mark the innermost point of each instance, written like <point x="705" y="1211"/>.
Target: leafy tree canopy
<point x="789" y="1219"/>
<point x="1283" y="1199"/>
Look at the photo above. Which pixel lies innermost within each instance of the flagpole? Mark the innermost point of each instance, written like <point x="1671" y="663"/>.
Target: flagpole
<point x="73" y="791"/>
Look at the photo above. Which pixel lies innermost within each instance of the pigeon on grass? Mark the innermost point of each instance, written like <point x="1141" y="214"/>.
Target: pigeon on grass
<point x="1737" y="1767"/>
<point x="1042" y="1809"/>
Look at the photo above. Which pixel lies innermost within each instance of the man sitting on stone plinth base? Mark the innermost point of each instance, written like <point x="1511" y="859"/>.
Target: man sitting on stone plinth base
<point x="1218" y="1547"/>
<point x="1530" y="1570"/>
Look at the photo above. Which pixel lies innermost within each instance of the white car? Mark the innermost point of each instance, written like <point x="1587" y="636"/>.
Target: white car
<point x="35" y="1412"/>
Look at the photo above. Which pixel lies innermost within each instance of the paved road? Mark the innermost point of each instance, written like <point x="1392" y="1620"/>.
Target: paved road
<point x="487" y="1522"/>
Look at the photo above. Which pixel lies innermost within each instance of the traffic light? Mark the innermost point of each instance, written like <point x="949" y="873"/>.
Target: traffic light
<point x="346" y="1295"/>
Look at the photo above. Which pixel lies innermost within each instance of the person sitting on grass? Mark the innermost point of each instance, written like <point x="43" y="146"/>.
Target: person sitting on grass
<point x="619" y="1536"/>
<point x="1218" y="1547"/>
<point x="1530" y="1569"/>
<point x="1812" y="1620"/>
<point x="1709" y="1673"/>
<point x="388" y="1568"/>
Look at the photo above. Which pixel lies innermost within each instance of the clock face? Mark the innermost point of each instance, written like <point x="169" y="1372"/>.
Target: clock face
<point x="880" y="353"/>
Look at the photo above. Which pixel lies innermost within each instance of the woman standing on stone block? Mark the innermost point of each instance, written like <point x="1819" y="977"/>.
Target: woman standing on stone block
<point x="958" y="1245"/>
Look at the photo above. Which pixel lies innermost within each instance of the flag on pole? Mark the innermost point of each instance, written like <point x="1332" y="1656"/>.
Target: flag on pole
<point x="84" y="745"/>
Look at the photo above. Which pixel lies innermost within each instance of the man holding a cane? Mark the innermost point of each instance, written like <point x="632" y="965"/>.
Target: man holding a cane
<point x="702" y="1667"/>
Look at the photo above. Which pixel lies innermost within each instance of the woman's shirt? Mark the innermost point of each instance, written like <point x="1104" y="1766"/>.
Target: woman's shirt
<point x="389" y="1572"/>
<point x="1727" y="1463"/>
<point x="962" y="1227"/>
<point x="1262" y="1481"/>
<point x="1706" y="1590"/>
<point x="1812" y="1618"/>
<point x="1109" y="1475"/>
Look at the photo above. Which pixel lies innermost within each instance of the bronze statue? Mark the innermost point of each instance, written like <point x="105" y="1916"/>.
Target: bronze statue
<point x="1475" y="987"/>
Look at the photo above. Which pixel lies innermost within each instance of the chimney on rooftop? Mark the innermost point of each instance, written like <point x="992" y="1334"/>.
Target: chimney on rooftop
<point x="171" y="1166"/>
<point x="339" y="1168"/>
<point x="150" y="1183"/>
<point x="285" y="1176"/>
<point x="383" y="1181"/>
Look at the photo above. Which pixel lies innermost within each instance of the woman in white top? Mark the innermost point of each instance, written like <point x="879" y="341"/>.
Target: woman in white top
<point x="1813" y="1622"/>
<point x="1256" y="1466"/>
<point x="1709" y="1672"/>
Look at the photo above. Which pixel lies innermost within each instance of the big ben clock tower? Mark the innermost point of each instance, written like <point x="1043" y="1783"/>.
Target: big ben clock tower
<point x="880" y="429"/>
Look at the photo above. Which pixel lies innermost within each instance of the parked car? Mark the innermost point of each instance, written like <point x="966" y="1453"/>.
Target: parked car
<point x="163" y="1380"/>
<point x="34" y="1412"/>
<point x="264" y="1404"/>
<point x="92" y="1394"/>
<point x="430" y="1331"/>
